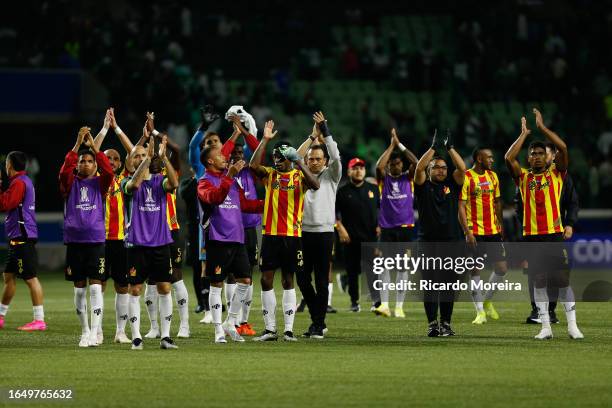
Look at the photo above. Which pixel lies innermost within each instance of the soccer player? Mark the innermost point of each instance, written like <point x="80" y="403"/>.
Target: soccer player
<point x="224" y="203"/>
<point x="19" y="202"/>
<point x="357" y="205"/>
<point x="480" y="215"/>
<point x="396" y="216"/>
<point x="281" y="247"/>
<point x="437" y="197"/>
<point x="541" y="190"/>
<point x="115" y="255"/>
<point x="323" y="158"/>
<point x="148" y="237"/>
<point x="84" y="232"/>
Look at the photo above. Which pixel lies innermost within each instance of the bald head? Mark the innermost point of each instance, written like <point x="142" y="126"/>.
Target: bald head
<point x="115" y="160"/>
<point x="138" y="155"/>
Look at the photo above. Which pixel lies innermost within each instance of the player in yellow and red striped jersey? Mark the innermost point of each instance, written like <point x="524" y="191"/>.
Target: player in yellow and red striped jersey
<point x="540" y="188"/>
<point x="480" y="215"/>
<point x="281" y="247"/>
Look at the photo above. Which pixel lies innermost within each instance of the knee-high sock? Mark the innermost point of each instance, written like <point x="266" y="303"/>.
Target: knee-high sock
<point x="121" y="310"/>
<point x="39" y="313"/>
<point x="236" y="303"/>
<point x="330" y="292"/>
<point x="165" y="314"/>
<point x="476" y="293"/>
<point x="268" y="307"/>
<point x="540" y="296"/>
<point x="289" y="306"/>
<point x="152" y="301"/>
<point x="134" y="313"/>
<point x="400" y="295"/>
<point x="80" y="303"/>
<point x="95" y="299"/>
<point x="229" y="292"/>
<point x="567" y="299"/>
<point x="214" y="302"/>
<point x="494" y="278"/>
<point x="182" y="301"/>
<point x="246" y="305"/>
<point x="384" y="293"/>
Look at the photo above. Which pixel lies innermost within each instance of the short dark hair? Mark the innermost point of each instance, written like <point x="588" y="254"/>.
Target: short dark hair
<point x="395" y="155"/>
<point x="535" y="144"/>
<point x="18" y="160"/>
<point x="86" y="151"/>
<point x="282" y="143"/>
<point x="205" y="155"/>
<point x="551" y="146"/>
<point x="322" y="148"/>
<point x="477" y="151"/>
<point x="208" y="135"/>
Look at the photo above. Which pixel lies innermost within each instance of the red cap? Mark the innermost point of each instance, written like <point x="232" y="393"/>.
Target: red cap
<point x="356" y="161"/>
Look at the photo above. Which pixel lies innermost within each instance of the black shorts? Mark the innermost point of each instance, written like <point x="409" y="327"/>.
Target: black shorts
<point x="281" y="252"/>
<point x="149" y="263"/>
<point x="492" y="248"/>
<point x="546" y="253"/>
<point x="22" y="259"/>
<point x="115" y="254"/>
<point x="225" y="258"/>
<point x="85" y="261"/>
<point x="176" y="249"/>
<point x="250" y="242"/>
<point x="396" y="234"/>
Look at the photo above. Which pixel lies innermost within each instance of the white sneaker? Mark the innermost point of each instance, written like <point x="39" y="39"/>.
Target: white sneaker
<point x="231" y="331"/>
<point x="120" y="337"/>
<point x="207" y="319"/>
<point x="544" y="334"/>
<point x="93" y="340"/>
<point x="574" y="332"/>
<point x="84" y="342"/>
<point x="183" y="332"/>
<point x="137" y="344"/>
<point x="220" y="340"/>
<point x="100" y="337"/>
<point x="153" y="333"/>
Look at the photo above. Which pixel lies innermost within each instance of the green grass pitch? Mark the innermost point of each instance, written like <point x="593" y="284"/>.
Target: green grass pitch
<point x="364" y="361"/>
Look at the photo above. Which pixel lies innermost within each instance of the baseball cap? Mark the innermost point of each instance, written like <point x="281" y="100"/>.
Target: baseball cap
<point x="356" y="161"/>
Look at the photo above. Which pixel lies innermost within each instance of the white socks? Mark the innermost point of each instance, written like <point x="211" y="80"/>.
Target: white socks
<point x="476" y="294"/>
<point x="121" y="311"/>
<point x="494" y="278"/>
<point x="80" y="303"/>
<point x="165" y="314"/>
<point x="330" y="291"/>
<point x="289" y="306"/>
<point x="182" y="301"/>
<point x="541" y="300"/>
<point x="214" y="301"/>
<point x="152" y="301"/>
<point x="400" y="295"/>
<point x="236" y="303"/>
<point x="39" y="313"/>
<point x="246" y="305"/>
<point x="268" y="307"/>
<point x="134" y="313"/>
<point x="3" y="309"/>
<point x="229" y="292"/>
<point x="566" y="298"/>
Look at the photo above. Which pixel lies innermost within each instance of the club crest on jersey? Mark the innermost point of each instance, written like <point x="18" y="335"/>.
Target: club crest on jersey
<point x="395" y="187"/>
<point x="370" y="194"/>
<point x="218" y="270"/>
<point x="132" y="272"/>
<point x="84" y="194"/>
<point x="446" y="190"/>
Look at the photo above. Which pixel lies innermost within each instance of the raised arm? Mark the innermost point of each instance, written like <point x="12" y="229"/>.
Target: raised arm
<point x="255" y="163"/>
<point x="460" y="167"/>
<point x="135" y="182"/>
<point x="123" y="138"/>
<point x="171" y="181"/>
<point x="208" y="116"/>
<point x="66" y="175"/>
<point x="335" y="165"/>
<point x="310" y="140"/>
<point x="408" y="155"/>
<point x="420" y="173"/>
<point x="562" y="158"/>
<point x="510" y="157"/>
<point x="99" y="139"/>
<point x="383" y="160"/>
<point x="311" y="181"/>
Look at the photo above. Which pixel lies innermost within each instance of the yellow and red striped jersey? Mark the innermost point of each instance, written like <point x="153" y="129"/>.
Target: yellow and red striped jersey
<point x="113" y="213"/>
<point x="480" y="191"/>
<point x="171" y="211"/>
<point x="541" y="194"/>
<point x="284" y="203"/>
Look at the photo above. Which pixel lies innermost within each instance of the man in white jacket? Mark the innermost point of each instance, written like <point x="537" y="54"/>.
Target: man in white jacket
<point x="323" y="160"/>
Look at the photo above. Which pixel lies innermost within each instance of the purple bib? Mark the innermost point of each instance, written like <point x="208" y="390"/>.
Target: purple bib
<point x="396" y="202"/>
<point x="224" y="221"/>
<point x="21" y="221"/>
<point x="246" y="181"/>
<point x="148" y="223"/>
<point x="84" y="212"/>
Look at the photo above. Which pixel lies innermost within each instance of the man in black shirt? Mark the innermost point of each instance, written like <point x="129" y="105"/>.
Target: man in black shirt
<point x="437" y="198"/>
<point x="357" y="205"/>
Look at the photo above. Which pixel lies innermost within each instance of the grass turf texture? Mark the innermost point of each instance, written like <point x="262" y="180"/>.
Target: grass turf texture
<point x="364" y="360"/>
